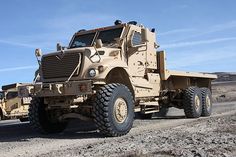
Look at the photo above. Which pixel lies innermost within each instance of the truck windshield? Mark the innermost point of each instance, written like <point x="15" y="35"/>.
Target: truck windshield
<point x="83" y="40"/>
<point x="11" y="95"/>
<point x="109" y="36"/>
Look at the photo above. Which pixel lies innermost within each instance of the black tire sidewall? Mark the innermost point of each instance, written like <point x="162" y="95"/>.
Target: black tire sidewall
<point x="189" y="102"/>
<point x="206" y="92"/>
<point x="39" y="120"/>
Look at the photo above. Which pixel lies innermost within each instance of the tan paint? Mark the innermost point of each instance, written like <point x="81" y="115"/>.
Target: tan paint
<point x="15" y="107"/>
<point x="142" y="68"/>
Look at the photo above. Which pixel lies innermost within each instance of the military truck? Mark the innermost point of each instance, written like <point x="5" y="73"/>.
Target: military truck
<point x="12" y="106"/>
<point x="106" y="75"/>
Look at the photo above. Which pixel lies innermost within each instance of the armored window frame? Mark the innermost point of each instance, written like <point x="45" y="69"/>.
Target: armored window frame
<point x="12" y="95"/>
<point x="136" y="39"/>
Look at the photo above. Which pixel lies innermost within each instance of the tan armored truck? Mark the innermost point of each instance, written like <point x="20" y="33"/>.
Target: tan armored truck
<point x="12" y="106"/>
<point x="106" y="75"/>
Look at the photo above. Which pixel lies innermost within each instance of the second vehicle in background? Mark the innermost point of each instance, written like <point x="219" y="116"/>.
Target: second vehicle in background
<point x="11" y="106"/>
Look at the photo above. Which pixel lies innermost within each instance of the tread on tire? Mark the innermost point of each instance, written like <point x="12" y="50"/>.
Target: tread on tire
<point x="39" y="120"/>
<point x="190" y="97"/>
<point x="206" y="96"/>
<point x="103" y="110"/>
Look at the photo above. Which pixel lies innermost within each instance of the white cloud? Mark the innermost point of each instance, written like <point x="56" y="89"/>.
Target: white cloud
<point x="200" y="42"/>
<point x="16" y="43"/>
<point x="221" y="27"/>
<point x="199" y="58"/>
<point x="59" y="29"/>
<point x="19" y="68"/>
<point x="188" y="33"/>
<point x="209" y="30"/>
<point x="79" y="21"/>
<point x="175" y="31"/>
<point x="31" y="43"/>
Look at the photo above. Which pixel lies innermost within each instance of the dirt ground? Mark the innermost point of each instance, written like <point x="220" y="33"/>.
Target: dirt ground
<point x="206" y="137"/>
<point x="224" y="91"/>
<point x="171" y="136"/>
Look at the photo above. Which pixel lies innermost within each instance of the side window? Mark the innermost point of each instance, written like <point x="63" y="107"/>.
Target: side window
<point x="136" y="40"/>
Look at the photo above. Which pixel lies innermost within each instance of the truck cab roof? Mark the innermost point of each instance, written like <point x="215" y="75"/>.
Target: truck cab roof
<point x="11" y="86"/>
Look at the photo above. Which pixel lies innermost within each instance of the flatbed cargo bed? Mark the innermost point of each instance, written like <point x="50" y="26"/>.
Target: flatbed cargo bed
<point x="169" y="73"/>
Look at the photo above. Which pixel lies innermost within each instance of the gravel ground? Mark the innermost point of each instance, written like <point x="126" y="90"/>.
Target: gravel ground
<point x="215" y="136"/>
<point x="224" y="91"/>
<point x="171" y="136"/>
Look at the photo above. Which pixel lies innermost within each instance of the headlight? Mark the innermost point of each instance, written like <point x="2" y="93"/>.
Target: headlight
<point x="92" y="73"/>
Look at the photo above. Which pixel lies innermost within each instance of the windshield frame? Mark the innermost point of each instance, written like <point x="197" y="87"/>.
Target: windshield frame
<point x="11" y="95"/>
<point x="107" y="31"/>
<point x="97" y="32"/>
<point x="92" y="38"/>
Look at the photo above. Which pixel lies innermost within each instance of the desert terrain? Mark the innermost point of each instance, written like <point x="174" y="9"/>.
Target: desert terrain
<point x="171" y="136"/>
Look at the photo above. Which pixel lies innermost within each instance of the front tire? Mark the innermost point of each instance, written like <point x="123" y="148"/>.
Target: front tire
<point x="39" y="120"/>
<point x="113" y="110"/>
<point x="192" y="102"/>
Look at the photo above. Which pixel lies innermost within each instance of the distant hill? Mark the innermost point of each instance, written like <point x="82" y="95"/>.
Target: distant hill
<point x="225" y="76"/>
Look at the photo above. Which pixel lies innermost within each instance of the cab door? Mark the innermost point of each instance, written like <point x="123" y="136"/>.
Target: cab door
<point x="12" y="101"/>
<point x="137" y="55"/>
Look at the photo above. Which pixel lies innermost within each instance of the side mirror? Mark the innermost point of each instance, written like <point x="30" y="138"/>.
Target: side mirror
<point x="59" y="47"/>
<point x="38" y="53"/>
<point x="99" y="43"/>
<point x="144" y="34"/>
<point x="1" y="96"/>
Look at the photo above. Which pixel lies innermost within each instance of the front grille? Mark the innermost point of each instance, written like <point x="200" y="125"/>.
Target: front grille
<point x="60" y="65"/>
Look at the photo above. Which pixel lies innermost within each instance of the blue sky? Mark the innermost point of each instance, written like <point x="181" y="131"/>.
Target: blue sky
<point x="197" y="35"/>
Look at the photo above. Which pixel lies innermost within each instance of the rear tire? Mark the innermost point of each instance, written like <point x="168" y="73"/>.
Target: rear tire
<point x="39" y="120"/>
<point x="192" y="102"/>
<point x="206" y="102"/>
<point x="113" y="110"/>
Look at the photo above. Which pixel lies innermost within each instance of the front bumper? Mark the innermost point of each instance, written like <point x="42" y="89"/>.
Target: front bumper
<point x="73" y="88"/>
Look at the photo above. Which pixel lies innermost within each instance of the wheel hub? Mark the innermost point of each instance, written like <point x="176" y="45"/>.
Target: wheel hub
<point x="120" y="110"/>
<point x="208" y="103"/>
<point x="197" y="103"/>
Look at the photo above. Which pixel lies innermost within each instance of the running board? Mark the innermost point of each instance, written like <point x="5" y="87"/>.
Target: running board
<point x="150" y="103"/>
<point x="149" y="107"/>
